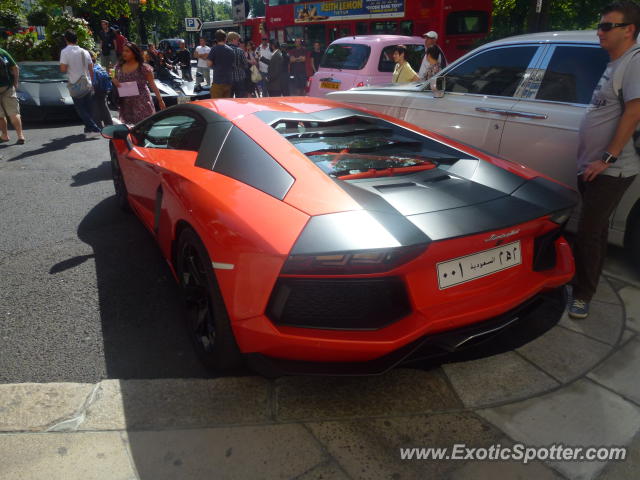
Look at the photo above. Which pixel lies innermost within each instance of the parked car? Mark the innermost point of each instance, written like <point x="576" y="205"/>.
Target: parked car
<point x="521" y="98"/>
<point x="310" y="236"/>
<point x="361" y="60"/>
<point x="176" y="90"/>
<point x="42" y="92"/>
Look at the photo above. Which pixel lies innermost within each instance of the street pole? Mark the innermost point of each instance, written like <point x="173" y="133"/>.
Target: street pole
<point x="194" y="13"/>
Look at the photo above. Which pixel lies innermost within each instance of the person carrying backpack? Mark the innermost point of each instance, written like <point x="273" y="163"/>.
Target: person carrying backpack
<point x="9" y="77"/>
<point x="101" y="87"/>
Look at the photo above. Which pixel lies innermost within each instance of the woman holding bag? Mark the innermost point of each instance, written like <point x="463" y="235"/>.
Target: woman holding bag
<point x="132" y="79"/>
<point x="254" y="74"/>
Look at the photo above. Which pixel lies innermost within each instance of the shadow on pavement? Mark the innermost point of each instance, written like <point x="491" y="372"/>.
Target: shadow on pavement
<point x="52" y="146"/>
<point x="97" y="174"/>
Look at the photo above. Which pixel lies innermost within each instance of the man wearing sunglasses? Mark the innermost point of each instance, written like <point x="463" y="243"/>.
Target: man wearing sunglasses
<point x="607" y="159"/>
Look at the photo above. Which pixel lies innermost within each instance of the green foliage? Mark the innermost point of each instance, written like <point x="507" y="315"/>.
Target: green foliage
<point x="222" y="10"/>
<point x="256" y="7"/>
<point x="58" y="25"/>
<point x="11" y="20"/>
<point x="20" y="43"/>
<point x="38" y="16"/>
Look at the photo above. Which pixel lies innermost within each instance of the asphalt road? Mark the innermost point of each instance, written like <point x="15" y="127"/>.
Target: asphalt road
<point x="84" y="292"/>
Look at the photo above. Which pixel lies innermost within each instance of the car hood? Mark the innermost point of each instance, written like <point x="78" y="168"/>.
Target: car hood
<point x="468" y="197"/>
<point x="45" y="94"/>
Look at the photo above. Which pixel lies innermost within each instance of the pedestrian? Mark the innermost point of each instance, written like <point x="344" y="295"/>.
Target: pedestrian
<point x="183" y="60"/>
<point x="255" y="77"/>
<point x="221" y="58"/>
<point x="607" y="158"/>
<point x="264" y="52"/>
<point x="403" y="72"/>
<point x="107" y="45"/>
<point x="9" y="80"/>
<point x="133" y="78"/>
<point x="101" y="87"/>
<point x="76" y="63"/>
<point x="119" y="40"/>
<point x="431" y="40"/>
<point x="432" y="58"/>
<point x="239" y="68"/>
<point x="316" y="56"/>
<point x="285" y="78"/>
<point x="276" y="70"/>
<point x="201" y="54"/>
<point x="298" y="66"/>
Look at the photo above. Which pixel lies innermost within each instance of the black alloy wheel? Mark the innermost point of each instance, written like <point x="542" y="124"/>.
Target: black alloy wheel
<point x="118" y="181"/>
<point x="207" y="319"/>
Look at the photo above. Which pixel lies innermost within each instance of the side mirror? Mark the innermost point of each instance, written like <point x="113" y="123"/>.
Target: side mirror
<point x="115" y="131"/>
<point x="437" y="85"/>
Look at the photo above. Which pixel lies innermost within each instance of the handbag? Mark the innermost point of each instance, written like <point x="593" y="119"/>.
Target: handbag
<point x="255" y="74"/>
<point x="82" y="86"/>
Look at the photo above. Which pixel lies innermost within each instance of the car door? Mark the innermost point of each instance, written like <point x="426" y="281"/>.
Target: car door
<point x="159" y="144"/>
<point x="479" y="94"/>
<point x="545" y="120"/>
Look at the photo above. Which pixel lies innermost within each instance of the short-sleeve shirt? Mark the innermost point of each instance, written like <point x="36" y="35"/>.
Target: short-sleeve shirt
<point x="72" y="56"/>
<point x="107" y="40"/>
<point x="602" y="116"/>
<point x="403" y="73"/>
<point x="202" y="62"/>
<point x="316" y="57"/>
<point x="222" y="58"/>
<point x="9" y="62"/>
<point x="298" y="68"/>
<point x="239" y="70"/>
<point x="265" y="53"/>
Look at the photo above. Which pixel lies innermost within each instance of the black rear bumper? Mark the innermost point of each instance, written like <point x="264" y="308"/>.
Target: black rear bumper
<point x="440" y="345"/>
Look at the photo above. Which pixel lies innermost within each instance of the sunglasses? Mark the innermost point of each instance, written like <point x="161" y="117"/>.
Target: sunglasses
<point x="605" y="27"/>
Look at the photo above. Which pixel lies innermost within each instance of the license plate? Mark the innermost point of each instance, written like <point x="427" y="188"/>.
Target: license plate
<point x="330" y="85"/>
<point x="478" y="265"/>
<point x="183" y="99"/>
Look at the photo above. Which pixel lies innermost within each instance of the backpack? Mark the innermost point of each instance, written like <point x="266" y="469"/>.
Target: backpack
<point x="5" y="73"/>
<point x="618" y="78"/>
<point x="101" y="80"/>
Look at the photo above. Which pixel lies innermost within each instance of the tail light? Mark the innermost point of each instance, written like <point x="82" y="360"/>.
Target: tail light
<point x="348" y="263"/>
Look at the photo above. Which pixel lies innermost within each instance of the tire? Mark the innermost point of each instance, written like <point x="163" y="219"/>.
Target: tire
<point x="118" y="181"/>
<point x="207" y="319"/>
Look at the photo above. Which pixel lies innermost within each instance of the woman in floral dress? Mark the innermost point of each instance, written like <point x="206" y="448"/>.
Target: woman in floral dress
<point x="133" y="69"/>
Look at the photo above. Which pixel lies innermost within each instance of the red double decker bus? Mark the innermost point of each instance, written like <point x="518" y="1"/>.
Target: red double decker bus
<point x="459" y="23"/>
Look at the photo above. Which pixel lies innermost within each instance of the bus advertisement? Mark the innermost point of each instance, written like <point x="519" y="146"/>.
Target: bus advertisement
<point x="458" y="23"/>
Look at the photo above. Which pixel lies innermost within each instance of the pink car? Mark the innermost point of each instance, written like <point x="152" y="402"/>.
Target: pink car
<point x="361" y="60"/>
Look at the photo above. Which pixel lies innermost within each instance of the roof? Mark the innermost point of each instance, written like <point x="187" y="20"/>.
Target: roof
<point x="380" y="39"/>
<point x="576" y="36"/>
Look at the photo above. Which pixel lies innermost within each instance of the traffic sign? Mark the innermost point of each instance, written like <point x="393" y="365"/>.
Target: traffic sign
<point x="193" y="24"/>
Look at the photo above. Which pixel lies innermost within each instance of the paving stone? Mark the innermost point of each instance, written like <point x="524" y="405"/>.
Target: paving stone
<point x="498" y="469"/>
<point x="36" y="406"/>
<point x="620" y="372"/>
<point x="178" y="403"/>
<point x="400" y="391"/>
<point x="496" y="379"/>
<point x="325" y="471"/>
<point x="631" y="298"/>
<point x="581" y="414"/>
<point x="605" y="292"/>
<point x="627" y="468"/>
<point x="65" y="456"/>
<point x="257" y="452"/>
<point x="370" y="448"/>
<point x="604" y="323"/>
<point x="564" y="354"/>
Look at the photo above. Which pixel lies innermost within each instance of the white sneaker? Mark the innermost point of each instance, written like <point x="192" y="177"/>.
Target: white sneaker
<point x="92" y="134"/>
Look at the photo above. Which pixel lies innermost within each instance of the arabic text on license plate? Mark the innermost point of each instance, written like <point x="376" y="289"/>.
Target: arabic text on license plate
<point x="331" y="85"/>
<point x="476" y="265"/>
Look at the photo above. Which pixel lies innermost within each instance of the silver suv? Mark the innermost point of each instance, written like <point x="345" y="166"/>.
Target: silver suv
<point x="521" y="98"/>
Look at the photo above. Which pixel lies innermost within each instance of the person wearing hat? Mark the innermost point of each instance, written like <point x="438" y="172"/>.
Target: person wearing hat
<point x="431" y="40"/>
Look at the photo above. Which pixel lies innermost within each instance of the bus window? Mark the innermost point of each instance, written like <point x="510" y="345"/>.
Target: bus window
<point x="362" y="28"/>
<point x="380" y="28"/>
<point x="466" y="22"/>
<point x="294" y="32"/>
<point x="406" y="28"/>
<point x="314" y="33"/>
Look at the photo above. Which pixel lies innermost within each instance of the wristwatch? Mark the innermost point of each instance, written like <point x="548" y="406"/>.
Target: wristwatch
<point x="608" y="158"/>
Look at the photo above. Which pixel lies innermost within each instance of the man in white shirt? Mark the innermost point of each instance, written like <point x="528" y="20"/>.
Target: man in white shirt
<point x="76" y="62"/>
<point x="431" y="40"/>
<point x="201" y="54"/>
<point x="264" y="56"/>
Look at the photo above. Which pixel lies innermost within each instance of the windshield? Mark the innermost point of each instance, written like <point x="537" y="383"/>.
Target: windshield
<point x="346" y="56"/>
<point x="41" y="73"/>
<point x="362" y="147"/>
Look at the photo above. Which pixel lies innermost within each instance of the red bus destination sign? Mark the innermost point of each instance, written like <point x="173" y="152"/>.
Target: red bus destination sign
<point x="347" y="10"/>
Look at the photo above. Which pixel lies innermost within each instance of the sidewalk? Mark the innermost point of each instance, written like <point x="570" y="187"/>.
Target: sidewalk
<point x="576" y="385"/>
